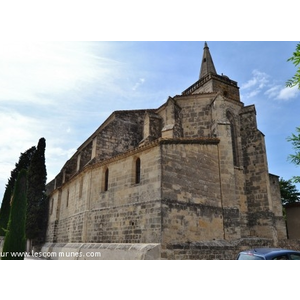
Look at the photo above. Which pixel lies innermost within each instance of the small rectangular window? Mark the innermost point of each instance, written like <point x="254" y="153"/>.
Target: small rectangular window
<point x="68" y="193"/>
<point x="137" y="170"/>
<point x="106" y="180"/>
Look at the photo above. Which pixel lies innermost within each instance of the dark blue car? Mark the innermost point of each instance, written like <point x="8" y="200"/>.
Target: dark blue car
<point x="269" y="254"/>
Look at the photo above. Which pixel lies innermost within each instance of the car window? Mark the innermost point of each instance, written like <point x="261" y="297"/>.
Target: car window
<point x="244" y="256"/>
<point x="281" y="257"/>
<point x="295" y="256"/>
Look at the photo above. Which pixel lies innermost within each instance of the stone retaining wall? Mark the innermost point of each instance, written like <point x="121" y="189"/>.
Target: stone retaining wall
<point x="98" y="251"/>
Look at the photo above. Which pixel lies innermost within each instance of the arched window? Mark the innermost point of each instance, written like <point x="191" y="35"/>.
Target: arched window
<point x="231" y="120"/>
<point x="137" y="170"/>
<point x="106" y="174"/>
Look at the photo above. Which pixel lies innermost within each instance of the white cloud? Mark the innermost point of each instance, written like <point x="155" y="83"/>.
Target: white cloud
<point x="259" y="79"/>
<point x="273" y="91"/>
<point x="250" y="83"/>
<point x="140" y="82"/>
<point x="287" y="93"/>
<point x="261" y="83"/>
<point x="256" y="84"/>
<point x="16" y="130"/>
<point x="282" y="93"/>
<point x="17" y="133"/>
<point x="32" y="71"/>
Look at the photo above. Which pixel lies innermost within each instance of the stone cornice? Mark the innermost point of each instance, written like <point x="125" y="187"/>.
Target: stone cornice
<point x="205" y="79"/>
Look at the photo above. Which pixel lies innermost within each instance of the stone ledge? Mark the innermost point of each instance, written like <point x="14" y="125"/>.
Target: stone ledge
<point x="98" y="251"/>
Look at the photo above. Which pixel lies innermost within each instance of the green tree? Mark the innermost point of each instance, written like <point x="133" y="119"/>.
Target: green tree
<point x="295" y="138"/>
<point x="295" y="158"/>
<point x="288" y="191"/>
<point x="36" y="195"/>
<point x="5" y="210"/>
<point x="295" y="59"/>
<point x="15" y="238"/>
<point x="23" y="163"/>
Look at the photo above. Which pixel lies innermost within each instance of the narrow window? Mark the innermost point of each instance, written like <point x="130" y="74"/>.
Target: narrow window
<point x="138" y="170"/>
<point x="68" y="193"/>
<point x="106" y="180"/>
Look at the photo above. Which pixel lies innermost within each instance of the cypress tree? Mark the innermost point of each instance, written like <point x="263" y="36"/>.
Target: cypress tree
<point x="23" y="163"/>
<point x="15" y="239"/>
<point x="5" y="210"/>
<point x="36" y="194"/>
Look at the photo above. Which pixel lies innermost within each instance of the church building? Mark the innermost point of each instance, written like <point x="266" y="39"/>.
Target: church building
<point x="189" y="179"/>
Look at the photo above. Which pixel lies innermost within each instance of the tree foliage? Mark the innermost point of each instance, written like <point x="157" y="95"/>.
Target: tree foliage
<point x="33" y="160"/>
<point x="295" y="59"/>
<point x="23" y="163"/>
<point x="295" y="158"/>
<point x="5" y="210"/>
<point x="15" y="238"/>
<point x="295" y="138"/>
<point x="36" y="195"/>
<point x="289" y="192"/>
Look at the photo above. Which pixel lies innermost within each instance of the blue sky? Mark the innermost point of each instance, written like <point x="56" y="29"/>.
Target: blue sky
<point x="64" y="90"/>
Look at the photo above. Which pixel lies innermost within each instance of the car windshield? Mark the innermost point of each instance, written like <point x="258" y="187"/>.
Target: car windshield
<point x="248" y="256"/>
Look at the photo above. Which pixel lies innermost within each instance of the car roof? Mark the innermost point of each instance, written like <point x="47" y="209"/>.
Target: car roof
<point x="269" y="252"/>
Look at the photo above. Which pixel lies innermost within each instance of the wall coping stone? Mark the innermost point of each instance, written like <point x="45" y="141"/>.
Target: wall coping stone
<point x="99" y="251"/>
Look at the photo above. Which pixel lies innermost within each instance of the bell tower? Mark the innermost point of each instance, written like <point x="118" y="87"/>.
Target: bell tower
<point x="210" y="82"/>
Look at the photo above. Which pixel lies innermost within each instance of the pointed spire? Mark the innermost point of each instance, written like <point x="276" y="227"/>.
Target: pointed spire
<point x="207" y="65"/>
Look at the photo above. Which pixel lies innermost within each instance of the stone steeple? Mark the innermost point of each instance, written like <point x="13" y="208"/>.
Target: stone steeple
<point x="210" y="82"/>
<point x="207" y="65"/>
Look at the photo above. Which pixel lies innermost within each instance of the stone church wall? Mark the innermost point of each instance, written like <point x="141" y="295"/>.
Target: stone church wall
<point x="127" y="211"/>
<point x="191" y="172"/>
<point x="195" y="115"/>
<point x="191" y="202"/>
<point x="123" y="133"/>
<point x="257" y="184"/>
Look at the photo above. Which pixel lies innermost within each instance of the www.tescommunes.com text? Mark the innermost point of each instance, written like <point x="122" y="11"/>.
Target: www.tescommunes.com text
<point x="51" y="254"/>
